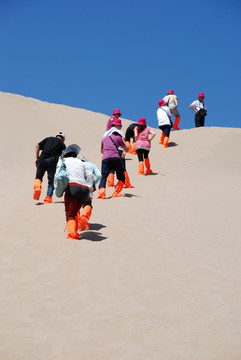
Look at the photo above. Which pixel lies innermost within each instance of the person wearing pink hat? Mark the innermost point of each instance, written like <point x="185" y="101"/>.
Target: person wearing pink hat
<point x="172" y="102"/>
<point x="111" y="160"/>
<point x="143" y="137"/>
<point x="115" y="115"/>
<point x="200" y="110"/>
<point x="164" y="122"/>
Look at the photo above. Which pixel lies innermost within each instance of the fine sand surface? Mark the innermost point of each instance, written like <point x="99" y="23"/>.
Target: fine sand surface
<point x="157" y="276"/>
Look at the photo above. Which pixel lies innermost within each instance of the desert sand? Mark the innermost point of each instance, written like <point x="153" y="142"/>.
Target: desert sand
<point x="157" y="276"/>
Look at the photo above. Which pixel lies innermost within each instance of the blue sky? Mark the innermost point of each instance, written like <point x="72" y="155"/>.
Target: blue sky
<point x="101" y="55"/>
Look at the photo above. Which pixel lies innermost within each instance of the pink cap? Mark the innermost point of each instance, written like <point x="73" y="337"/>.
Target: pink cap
<point x="141" y="121"/>
<point x="162" y="103"/>
<point x="201" y="94"/>
<point x="116" y="111"/>
<point x="170" y="92"/>
<point x="117" y="122"/>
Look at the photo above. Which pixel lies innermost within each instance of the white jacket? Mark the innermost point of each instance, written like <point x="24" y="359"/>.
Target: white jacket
<point x="77" y="172"/>
<point x="163" y="116"/>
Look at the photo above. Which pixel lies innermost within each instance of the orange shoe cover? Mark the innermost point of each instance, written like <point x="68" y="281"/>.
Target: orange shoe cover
<point x="127" y="181"/>
<point x="165" y="142"/>
<point x="141" y="168"/>
<point x="133" y="150"/>
<point x="87" y="211"/>
<point x="119" y="186"/>
<point x="84" y="223"/>
<point x="101" y="194"/>
<point x="128" y="144"/>
<point x="71" y="230"/>
<point x="162" y="138"/>
<point x="37" y="189"/>
<point x="48" y="200"/>
<point x="148" y="166"/>
<point x="85" y="216"/>
<point x="176" y="122"/>
<point x="110" y="180"/>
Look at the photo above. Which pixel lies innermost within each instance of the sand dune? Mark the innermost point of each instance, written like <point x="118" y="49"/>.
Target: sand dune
<point x="157" y="276"/>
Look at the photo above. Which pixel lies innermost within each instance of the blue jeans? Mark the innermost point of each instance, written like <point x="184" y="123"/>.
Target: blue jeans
<point x="48" y="165"/>
<point x="108" y="165"/>
<point x="166" y="129"/>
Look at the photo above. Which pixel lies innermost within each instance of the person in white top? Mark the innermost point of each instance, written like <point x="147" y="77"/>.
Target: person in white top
<point x="200" y="110"/>
<point x="172" y="102"/>
<point x="164" y="122"/>
<point x="78" y="190"/>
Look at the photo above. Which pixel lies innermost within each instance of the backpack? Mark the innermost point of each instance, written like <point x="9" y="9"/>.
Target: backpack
<point x="62" y="180"/>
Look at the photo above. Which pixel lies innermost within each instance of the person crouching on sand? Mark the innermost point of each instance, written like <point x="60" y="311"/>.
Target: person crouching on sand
<point x="164" y="122"/>
<point x="111" y="160"/>
<point x="77" y="192"/>
<point x="143" y="145"/>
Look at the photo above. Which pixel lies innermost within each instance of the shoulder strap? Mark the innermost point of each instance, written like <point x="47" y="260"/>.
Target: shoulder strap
<point x="113" y="142"/>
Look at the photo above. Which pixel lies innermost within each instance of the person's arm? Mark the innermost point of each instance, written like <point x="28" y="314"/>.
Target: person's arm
<point x="125" y="147"/>
<point x="191" y="107"/>
<point x="153" y="134"/>
<point x="176" y="103"/>
<point x="37" y="154"/>
<point x="97" y="175"/>
<point x="135" y="134"/>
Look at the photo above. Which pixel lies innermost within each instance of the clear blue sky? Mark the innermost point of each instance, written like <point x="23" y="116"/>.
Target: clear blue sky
<point x="101" y="55"/>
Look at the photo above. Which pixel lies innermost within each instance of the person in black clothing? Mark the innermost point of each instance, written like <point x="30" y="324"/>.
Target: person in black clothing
<point x="130" y="135"/>
<point x="52" y="148"/>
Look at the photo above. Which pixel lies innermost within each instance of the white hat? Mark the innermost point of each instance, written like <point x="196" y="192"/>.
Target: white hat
<point x="82" y="158"/>
<point x="61" y="134"/>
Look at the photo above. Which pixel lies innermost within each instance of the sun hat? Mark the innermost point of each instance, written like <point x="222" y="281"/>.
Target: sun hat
<point x="61" y="134"/>
<point x="116" y="112"/>
<point x="73" y="148"/>
<point x="161" y="103"/>
<point x="170" y="92"/>
<point x="117" y="122"/>
<point x="141" y="121"/>
<point x="201" y="94"/>
<point x="82" y="158"/>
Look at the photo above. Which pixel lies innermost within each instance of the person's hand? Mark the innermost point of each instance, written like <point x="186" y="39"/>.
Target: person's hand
<point x="123" y="155"/>
<point x="36" y="162"/>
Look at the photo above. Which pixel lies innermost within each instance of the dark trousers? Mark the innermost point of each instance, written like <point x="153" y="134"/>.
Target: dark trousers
<point x="166" y="129"/>
<point x="142" y="154"/>
<point x="199" y="120"/>
<point x="48" y="165"/>
<point x="107" y="166"/>
<point x="75" y="196"/>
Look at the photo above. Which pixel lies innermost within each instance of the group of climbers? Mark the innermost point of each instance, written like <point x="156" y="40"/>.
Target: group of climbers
<point x="83" y="176"/>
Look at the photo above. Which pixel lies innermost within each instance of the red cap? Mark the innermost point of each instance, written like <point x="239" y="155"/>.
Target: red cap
<point x="201" y="94"/>
<point x="116" y="111"/>
<point x="170" y="92"/>
<point x="117" y="122"/>
<point x="162" y="103"/>
<point x="141" y="121"/>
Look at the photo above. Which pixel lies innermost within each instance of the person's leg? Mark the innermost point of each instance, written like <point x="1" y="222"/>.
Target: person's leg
<point x="147" y="162"/>
<point x="37" y="186"/>
<point x="162" y="135"/>
<point x="75" y="196"/>
<point x="166" y="129"/>
<point x="128" y="139"/>
<point x="198" y="120"/>
<point x="175" y="112"/>
<point x="105" y="171"/>
<point x="140" y="156"/>
<point x="51" y="168"/>
<point x="117" y="165"/>
<point x="85" y="216"/>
